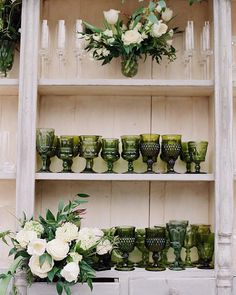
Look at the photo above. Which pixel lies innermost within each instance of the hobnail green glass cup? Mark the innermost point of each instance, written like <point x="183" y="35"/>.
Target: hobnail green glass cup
<point x="177" y="231"/>
<point x="185" y="156"/>
<point x="45" y="146"/>
<point x="198" y="150"/>
<point x="130" y="150"/>
<point x="126" y="244"/>
<point x="170" y="150"/>
<point x="110" y="152"/>
<point x="68" y="149"/>
<point x="205" y="246"/>
<point x="140" y="244"/>
<point x="155" y="242"/>
<point x="90" y="146"/>
<point x="150" y="148"/>
<point x="189" y="243"/>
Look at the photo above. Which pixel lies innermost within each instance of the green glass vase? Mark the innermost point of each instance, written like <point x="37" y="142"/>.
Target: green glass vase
<point x="198" y="152"/>
<point x="130" y="150"/>
<point x="185" y="156"/>
<point x="68" y="149"/>
<point x="205" y="246"/>
<point x="189" y="243"/>
<point x="110" y="152"/>
<point x="129" y="65"/>
<point x="140" y="244"/>
<point x="150" y="148"/>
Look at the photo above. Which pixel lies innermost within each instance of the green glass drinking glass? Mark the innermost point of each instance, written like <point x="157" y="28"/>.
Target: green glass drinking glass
<point x="150" y="148"/>
<point x="177" y="231"/>
<point x="203" y="228"/>
<point x="89" y="150"/>
<point x="205" y="246"/>
<point x="68" y="149"/>
<point x="155" y="242"/>
<point x="126" y="244"/>
<point x="185" y="156"/>
<point x="170" y="150"/>
<point x="189" y="243"/>
<point x="45" y="140"/>
<point x="140" y="244"/>
<point x="110" y="152"/>
<point x="198" y="152"/>
<point x="130" y="150"/>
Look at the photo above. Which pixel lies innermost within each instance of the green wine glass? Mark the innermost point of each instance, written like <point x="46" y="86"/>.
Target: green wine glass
<point x="170" y="150"/>
<point x="189" y="243"/>
<point x="205" y="246"/>
<point x="150" y="148"/>
<point x="126" y="244"/>
<point x="198" y="152"/>
<point x="110" y="152"/>
<point x="140" y="244"/>
<point x="130" y="150"/>
<point x="155" y="242"/>
<point x="89" y="150"/>
<point x="45" y="140"/>
<point x="185" y="156"/>
<point x="177" y="231"/>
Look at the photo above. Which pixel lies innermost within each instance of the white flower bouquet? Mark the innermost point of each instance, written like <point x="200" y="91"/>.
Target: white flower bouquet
<point x="55" y="249"/>
<point x="145" y="33"/>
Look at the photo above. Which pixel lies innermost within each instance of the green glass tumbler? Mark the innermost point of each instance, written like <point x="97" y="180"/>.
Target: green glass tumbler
<point x="170" y="150"/>
<point x="205" y="246"/>
<point x="150" y="148"/>
<point x="185" y="156"/>
<point x="89" y="149"/>
<point x="45" y="141"/>
<point x="126" y="244"/>
<point x="177" y="232"/>
<point x="130" y="150"/>
<point x="189" y="243"/>
<point x="198" y="152"/>
<point x="155" y="242"/>
<point x="110" y="152"/>
<point x="140" y="244"/>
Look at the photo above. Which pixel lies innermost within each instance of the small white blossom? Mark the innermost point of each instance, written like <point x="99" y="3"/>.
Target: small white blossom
<point x="105" y="52"/>
<point x="67" y="232"/>
<point x="108" y="33"/>
<point x="34" y="226"/>
<point x="97" y="37"/>
<point x="104" y="247"/>
<point x="76" y="257"/>
<point x="24" y="237"/>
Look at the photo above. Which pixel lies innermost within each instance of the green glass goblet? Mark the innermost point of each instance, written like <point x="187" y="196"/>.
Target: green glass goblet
<point x="170" y="150"/>
<point x="150" y="148"/>
<point x="198" y="152"/>
<point x="155" y="242"/>
<point x="140" y="244"/>
<point x="185" y="157"/>
<point x="68" y="149"/>
<point x="130" y="150"/>
<point x="110" y="152"/>
<point x="177" y="231"/>
<point x="189" y="243"/>
<point x="164" y="258"/>
<point x="89" y="150"/>
<point x="45" y="139"/>
<point x="205" y="246"/>
<point x="126" y="244"/>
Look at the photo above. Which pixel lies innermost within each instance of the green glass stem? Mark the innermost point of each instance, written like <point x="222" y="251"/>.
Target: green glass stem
<point x="188" y="261"/>
<point x="89" y="166"/>
<point x="150" y="166"/>
<point x="177" y="265"/>
<point x="155" y="257"/>
<point x="170" y="166"/>
<point x="130" y="167"/>
<point x="188" y="167"/>
<point x="67" y="166"/>
<point x="110" y="167"/>
<point x="197" y="168"/>
<point x="45" y="163"/>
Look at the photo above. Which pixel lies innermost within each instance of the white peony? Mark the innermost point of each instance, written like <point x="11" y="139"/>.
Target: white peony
<point x="36" y="269"/>
<point x="89" y="237"/>
<point x="67" y="232"/>
<point x="34" y="226"/>
<point x="76" y="257"/>
<point x="108" y="33"/>
<point x="70" y="272"/>
<point x="159" y="29"/>
<point x="104" y="247"/>
<point x="23" y="237"/>
<point x="111" y="16"/>
<point x="57" y="249"/>
<point x="132" y="37"/>
<point x="37" y="247"/>
<point x="167" y="14"/>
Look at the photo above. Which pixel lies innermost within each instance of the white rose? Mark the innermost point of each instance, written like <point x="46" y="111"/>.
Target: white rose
<point x="104" y="247"/>
<point x="67" y="232"/>
<point x="89" y="237"/>
<point x="108" y="33"/>
<point x="111" y="16"/>
<point x="23" y="237"/>
<point x="37" y="247"/>
<point x="76" y="257"/>
<point x="70" y="272"/>
<point x="131" y="37"/>
<point x="57" y="249"/>
<point x="34" y="226"/>
<point x="167" y="14"/>
<point x="159" y="29"/>
<point x="36" y="269"/>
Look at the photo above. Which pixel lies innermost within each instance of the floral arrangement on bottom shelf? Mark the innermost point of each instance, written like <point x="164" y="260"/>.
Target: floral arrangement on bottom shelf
<point x="55" y="249"/>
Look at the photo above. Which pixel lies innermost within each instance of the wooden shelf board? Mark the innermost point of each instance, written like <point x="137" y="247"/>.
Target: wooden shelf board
<point x="5" y="176"/>
<point x="126" y="87"/>
<point x="124" y="177"/>
<point x="9" y="87"/>
<point x="167" y="274"/>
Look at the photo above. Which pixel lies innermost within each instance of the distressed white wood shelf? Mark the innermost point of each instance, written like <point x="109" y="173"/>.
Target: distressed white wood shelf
<point x="234" y="88"/>
<point x="5" y="176"/>
<point x="126" y="87"/>
<point x="9" y="86"/>
<point x="125" y="177"/>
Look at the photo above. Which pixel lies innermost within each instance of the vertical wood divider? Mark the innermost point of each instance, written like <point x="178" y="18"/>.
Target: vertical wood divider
<point x="223" y="145"/>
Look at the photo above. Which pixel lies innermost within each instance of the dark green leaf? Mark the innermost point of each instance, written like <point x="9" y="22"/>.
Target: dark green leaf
<point x="151" y="6"/>
<point x="12" y="251"/>
<point x="162" y="3"/>
<point x="83" y="195"/>
<point x="42" y="259"/>
<point x="50" y="216"/>
<point x="52" y="273"/>
<point x="152" y="18"/>
<point x="67" y="289"/>
<point x="92" y="28"/>
<point x="60" y="286"/>
<point x="60" y="206"/>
